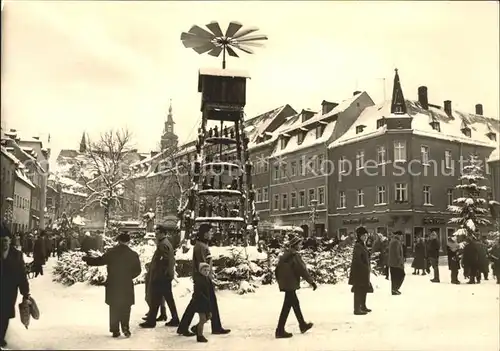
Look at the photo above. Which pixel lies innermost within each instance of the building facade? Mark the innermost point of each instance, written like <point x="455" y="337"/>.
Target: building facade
<point x="494" y="170"/>
<point x="9" y="166"/>
<point x="399" y="163"/>
<point x="22" y="203"/>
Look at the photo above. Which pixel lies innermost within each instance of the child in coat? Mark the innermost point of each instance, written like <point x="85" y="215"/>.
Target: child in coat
<point x="163" y="309"/>
<point x="201" y="299"/>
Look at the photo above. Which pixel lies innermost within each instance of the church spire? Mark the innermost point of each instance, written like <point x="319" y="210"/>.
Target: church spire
<point x="83" y="144"/>
<point x="398" y="104"/>
<point x="169" y="138"/>
<point x="170" y="116"/>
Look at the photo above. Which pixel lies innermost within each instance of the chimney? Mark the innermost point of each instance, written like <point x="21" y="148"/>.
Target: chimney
<point x="422" y="97"/>
<point x="479" y="109"/>
<point x="447" y="107"/>
<point x="357" y="92"/>
<point x="36" y="138"/>
<point x="327" y="106"/>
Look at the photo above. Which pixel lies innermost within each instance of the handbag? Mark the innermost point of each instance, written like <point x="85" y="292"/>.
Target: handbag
<point x="33" y="308"/>
<point x="24" y="313"/>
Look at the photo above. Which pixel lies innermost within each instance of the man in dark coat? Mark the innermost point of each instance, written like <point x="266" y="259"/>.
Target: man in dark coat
<point x="161" y="275"/>
<point x="494" y="255"/>
<point x="39" y="253"/>
<point x="396" y="263"/>
<point x="87" y="243"/>
<point x="433" y="255"/>
<point x="359" y="276"/>
<point x="123" y="265"/>
<point x="470" y="260"/>
<point x="13" y="278"/>
<point x="289" y="270"/>
<point x="201" y="254"/>
<point x="483" y="258"/>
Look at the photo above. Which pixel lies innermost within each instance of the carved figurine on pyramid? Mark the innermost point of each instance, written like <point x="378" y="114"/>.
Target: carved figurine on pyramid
<point x="149" y="219"/>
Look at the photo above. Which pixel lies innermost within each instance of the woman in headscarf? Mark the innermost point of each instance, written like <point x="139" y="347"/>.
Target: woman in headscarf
<point x="359" y="276"/>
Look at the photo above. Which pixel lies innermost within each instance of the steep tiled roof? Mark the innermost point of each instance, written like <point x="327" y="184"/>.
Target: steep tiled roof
<point x="450" y="126"/>
<point x="257" y="125"/>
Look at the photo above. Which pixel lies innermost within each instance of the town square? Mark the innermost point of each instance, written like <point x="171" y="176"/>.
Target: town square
<point x="246" y="175"/>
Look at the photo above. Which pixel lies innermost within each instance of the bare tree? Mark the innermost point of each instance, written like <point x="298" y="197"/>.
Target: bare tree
<point x="107" y="170"/>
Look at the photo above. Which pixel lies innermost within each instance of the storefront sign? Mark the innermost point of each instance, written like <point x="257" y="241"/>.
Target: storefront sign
<point x="360" y="220"/>
<point x="430" y="220"/>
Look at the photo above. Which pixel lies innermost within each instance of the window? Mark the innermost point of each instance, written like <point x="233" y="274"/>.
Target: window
<point x="487" y="168"/>
<point x="276" y="205"/>
<point x="321" y="160"/>
<point x="266" y="165"/>
<point x="342" y="200"/>
<point x="300" y="137"/>
<point x="381" y="155"/>
<point x="449" y="196"/>
<point x="427" y="195"/>
<point x="312" y="195"/>
<point x="293" y="200"/>
<point x="398" y="109"/>
<point x="381" y="199"/>
<point x="265" y="194"/>
<point x="360" y="159"/>
<point x="424" y="151"/>
<point x="361" y="198"/>
<point x="466" y="131"/>
<point x="283" y="171"/>
<point x="301" y="167"/>
<point x="359" y="129"/>
<point x="283" y="142"/>
<point x="401" y="193"/>
<point x="447" y="159"/>
<point x="342" y="233"/>
<point x="319" y="131"/>
<point x="258" y="195"/>
<point x="399" y="151"/>
<point x="284" y="201"/>
<point x="321" y="195"/>
<point x="342" y="164"/>
<point x="293" y="168"/>
<point x="436" y="126"/>
<point x="302" y="198"/>
<point x="276" y="172"/>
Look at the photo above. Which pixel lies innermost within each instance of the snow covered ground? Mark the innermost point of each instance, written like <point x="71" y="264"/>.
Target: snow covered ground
<point x="425" y="317"/>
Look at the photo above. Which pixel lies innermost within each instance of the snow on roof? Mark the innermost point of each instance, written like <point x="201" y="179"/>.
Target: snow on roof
<point x="450" y="128"/>
<point x="258" y="125"/>
<point x="494" y="156"/>
<point x="72" y="192"/>
<point x="223" y="72"/>
<point x="25" y="179"/>
<point x="13" y="158"/>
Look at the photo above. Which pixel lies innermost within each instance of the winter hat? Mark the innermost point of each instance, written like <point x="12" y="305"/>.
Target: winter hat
<point x="204" y="228"/>
<point x="123" y="237"/>
<point x="165" y="228"/>
<point x="294" y="241"/>
<point x="360" y="231"/>
<point x="203" y="265"/>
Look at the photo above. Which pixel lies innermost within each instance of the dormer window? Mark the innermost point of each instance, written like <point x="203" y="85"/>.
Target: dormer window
<point x="319" y="131"/>
<point x="306" y="115"/>
<point x="435" y="126"/>
<point x="492" y="136"/>
<point x="301" y="137"/>
<point x="359" y="129"/>
<point x="380" y="123"/>
<point x="284" y="143"/>
<point x="398" y="109"/>
<point x="466" y="131"/>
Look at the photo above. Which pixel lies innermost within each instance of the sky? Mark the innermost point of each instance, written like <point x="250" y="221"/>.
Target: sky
<point x="75" y="66"/>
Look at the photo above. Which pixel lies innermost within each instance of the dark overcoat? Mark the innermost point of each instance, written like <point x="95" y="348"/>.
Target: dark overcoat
<point x="483" y="256"/>
<point x="290" y="269"/>
<point x="359" y="276"/>
<point x="470" y="258"/>
<point x="123" y="265"/>
<point x="201" y="294"/>
<point x="13" y="278"/>
<point x="453" y="259"/>
<point x="420" y="255"/>
<point x="39" y="252"/>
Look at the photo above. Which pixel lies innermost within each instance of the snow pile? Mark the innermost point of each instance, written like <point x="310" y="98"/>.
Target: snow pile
<point x="224" y="251"/>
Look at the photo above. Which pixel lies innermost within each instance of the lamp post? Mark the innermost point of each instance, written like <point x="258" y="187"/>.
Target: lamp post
<point x="313" y="216"/>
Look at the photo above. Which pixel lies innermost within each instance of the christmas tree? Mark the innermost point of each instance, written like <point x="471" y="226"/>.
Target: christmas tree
<point x="471" y="208"/>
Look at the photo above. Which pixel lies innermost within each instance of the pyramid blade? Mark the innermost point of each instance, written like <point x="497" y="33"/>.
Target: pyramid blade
<point x="243" y="32"/>
<point x="231" y="52"/>
<point x="215" y="51"/>
<point x="251" y="43"/>
<point x="215" y="28"/>
<point x="201" y="32"/>
<point x="191" y="40"/>
<point x="253" y="38"/>
<point x="244" y="49"/>
<point x="233" y="28"/>
<point x="204" y="48"/>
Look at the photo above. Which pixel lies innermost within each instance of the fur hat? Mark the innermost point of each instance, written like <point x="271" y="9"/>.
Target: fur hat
<point x="204" y="228"/>
<point x="123" y="237"/>
<point x="165" y="228"/>
<point x="360" y="231"/>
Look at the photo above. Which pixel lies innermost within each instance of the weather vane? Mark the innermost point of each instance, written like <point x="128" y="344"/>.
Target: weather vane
<point x="214" y="41"/>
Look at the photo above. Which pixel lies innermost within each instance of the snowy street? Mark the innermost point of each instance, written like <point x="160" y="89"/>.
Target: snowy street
<point x="425" y="317"/>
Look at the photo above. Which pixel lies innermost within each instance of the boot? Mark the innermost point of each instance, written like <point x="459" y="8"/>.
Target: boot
<point x="282" y="334"/>
<point x="305" y="327"/>
<point x="363" y="304"/>
<point x="174" y="322"/>
<point x="199" y="334"/>
<point x="161" y="318"/>
<point x="115" y="334"/>
<point x="357" y="305"/>
<point x="147" y="325"/>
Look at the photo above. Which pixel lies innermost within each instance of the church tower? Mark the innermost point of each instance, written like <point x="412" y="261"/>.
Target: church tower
<point x="169" y="139"/>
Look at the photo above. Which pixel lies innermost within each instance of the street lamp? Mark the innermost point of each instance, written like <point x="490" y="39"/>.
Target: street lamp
<point x="313" y="215"/>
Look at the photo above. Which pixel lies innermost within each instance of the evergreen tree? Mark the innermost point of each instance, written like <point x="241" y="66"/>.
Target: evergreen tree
<point x="471" y="208"/>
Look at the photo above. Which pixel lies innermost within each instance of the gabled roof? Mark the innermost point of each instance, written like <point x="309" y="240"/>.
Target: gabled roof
<point x="450" y="126"/>
<point x="260" y="124"/>
<point x="21" y="176"/>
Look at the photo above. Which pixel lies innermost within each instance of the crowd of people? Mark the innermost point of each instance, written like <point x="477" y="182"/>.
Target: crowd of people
<point x="123" y="266"/>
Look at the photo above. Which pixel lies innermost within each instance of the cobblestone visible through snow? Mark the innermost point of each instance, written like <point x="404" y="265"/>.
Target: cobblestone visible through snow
<point x="425" y="317"/>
